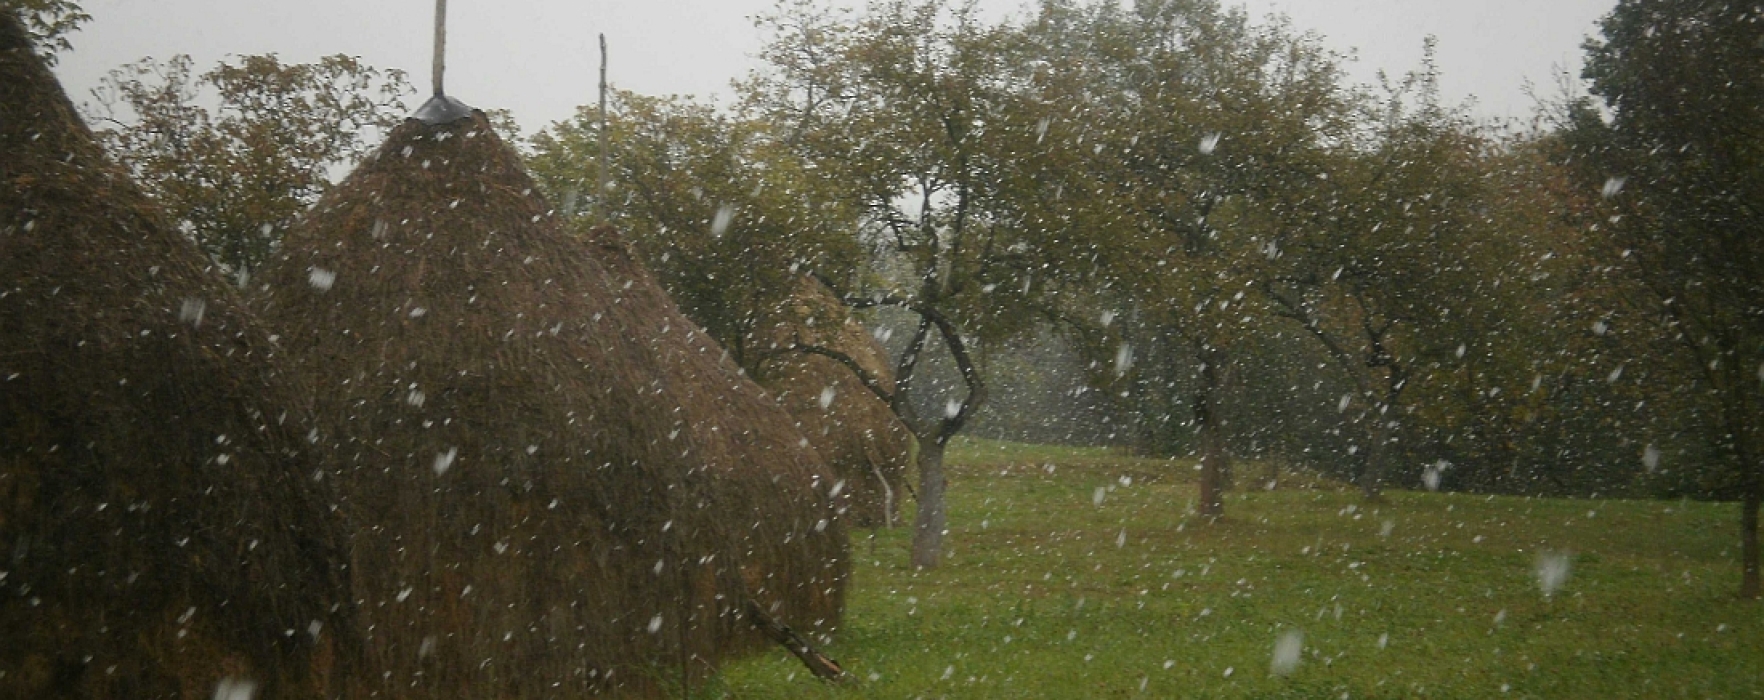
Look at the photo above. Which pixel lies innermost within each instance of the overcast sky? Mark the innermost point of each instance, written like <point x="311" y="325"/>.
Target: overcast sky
<point x="538" y="57"/>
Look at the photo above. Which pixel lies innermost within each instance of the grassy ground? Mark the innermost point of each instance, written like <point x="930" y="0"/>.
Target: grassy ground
<point x="1081" y="574"/>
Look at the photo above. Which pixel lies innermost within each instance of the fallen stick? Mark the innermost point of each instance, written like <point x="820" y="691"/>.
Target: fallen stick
<point x="824" y="667"/>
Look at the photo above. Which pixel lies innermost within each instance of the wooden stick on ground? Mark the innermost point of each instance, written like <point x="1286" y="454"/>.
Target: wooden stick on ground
<point x="820" y="664"/>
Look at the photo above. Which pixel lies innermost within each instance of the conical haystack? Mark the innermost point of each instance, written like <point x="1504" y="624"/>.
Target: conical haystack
<point x="558" y="484"/>
<point x="864" y="443"/>
<point x="160" y="534"/>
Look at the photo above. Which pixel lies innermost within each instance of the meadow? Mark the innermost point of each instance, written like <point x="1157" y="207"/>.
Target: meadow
<point x="1080" y="573"/>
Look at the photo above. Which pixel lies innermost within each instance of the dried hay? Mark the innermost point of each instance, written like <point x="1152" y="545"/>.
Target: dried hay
<point x="558" y="484"/>
<point x="864" y="443"/>
<point x="159" y="534"/>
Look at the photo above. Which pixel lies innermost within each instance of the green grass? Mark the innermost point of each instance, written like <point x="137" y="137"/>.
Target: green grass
<point x="1045" y="593"/>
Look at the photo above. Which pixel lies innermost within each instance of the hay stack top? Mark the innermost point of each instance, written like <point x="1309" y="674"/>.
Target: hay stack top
<point x="495" y="380"/>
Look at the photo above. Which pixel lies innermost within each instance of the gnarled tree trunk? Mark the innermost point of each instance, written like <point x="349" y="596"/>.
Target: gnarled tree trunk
<point x="933" y="516"/>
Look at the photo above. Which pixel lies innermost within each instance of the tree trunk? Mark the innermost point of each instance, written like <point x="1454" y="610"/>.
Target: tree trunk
<point x="1215" y="454"/>
<point x="1372" y="471"/>
<point x="1749" y="542"/>
<point x="1753" y="481"/>
<point x="1739" y="421"/>
<point x="932" y="519"/>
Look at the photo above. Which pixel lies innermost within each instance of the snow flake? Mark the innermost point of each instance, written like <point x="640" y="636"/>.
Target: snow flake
<point x="1209" y="143"/>
<point x="1431" y="475"/>
<point x="1287" y="650"/>
<point x="444" y="460"/>
<point x="232" y="688"/>
<point x="720" y="223"/>
<point x="1552" y="571"/>
<point x="191" y="311"/>
<point x="321" y="279"/>
<point x="1123" y="359"/>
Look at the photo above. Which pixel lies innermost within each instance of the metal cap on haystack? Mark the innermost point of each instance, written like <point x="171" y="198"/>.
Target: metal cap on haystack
<point x="439" y="108"/>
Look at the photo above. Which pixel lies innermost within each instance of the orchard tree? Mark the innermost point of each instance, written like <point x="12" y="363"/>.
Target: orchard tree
<point x="1209" y="134"/>
<point x="236" y="178"/>
<point x="1681" y="163"/>
<point x="915" y="109"/>
<point x="723" y="212"/>
<point x="1374" y="277"/>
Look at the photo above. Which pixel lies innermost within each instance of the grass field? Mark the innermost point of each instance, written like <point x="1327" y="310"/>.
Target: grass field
<point x="1080" y="574"/>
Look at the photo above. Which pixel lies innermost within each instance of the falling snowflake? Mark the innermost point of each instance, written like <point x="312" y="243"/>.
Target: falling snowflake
<point x="191" y="311"/>
<point x="1287" y="650"/>
<point x="444" y="460"/>
<point x="827" y="395"/>
<point x="321" y="279"/>
<point x="1552" y="571"/>
<point x="1123" y="359"/>
<point x="231" y="688"/>
<point x="1651" y="458"/>
<point x="1209" y="143"/>
<point x="1613" y="186"/>
<point x="1431" y="475"/>
<point x="720" y="223"/>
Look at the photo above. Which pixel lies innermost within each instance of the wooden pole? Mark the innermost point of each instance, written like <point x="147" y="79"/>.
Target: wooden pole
<point x="605" y="175"/>
<point x="819" y="664"/>
<point x="440" y="44"/>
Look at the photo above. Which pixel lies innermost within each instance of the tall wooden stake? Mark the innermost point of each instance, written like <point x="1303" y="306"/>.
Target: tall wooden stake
<point x="440" y="44"/>
<point x="605" y="176"/>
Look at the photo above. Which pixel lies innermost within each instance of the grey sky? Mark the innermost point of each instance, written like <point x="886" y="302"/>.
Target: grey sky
<point x="537" y="57"/>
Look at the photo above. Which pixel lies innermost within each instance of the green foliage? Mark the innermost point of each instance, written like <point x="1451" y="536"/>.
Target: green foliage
<point x="922" y="111"/>
<point x="1044" y="596"/>
<point x="1683" y="155"/>
<point x="723" y="213"/>
<point x="236" y="178"/>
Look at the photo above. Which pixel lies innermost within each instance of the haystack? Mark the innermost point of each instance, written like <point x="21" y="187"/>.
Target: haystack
<point x="160" y="533"/>
<point x="864" y="443"/>
<point x="558" y="484"/>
